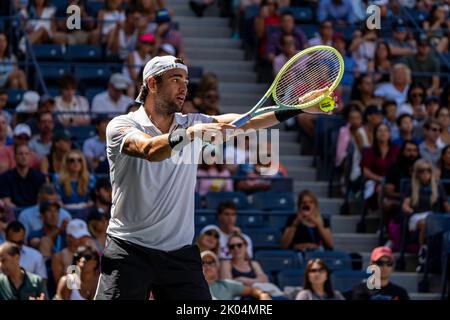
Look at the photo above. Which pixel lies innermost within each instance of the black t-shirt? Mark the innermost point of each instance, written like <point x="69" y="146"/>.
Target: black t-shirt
<point x="395" y="175"/>
<point x="424" y="203"/>
<point x="22" y="191"/>
<point x="389" y="292"/>
<point x="305" y="234"/>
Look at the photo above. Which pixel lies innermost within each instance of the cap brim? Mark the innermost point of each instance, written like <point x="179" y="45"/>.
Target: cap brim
<point x="80" y="234"/>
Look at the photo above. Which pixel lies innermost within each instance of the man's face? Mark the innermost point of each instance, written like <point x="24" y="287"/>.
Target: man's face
<point x="227" y="217"/>
<point x="411" y="151"/>
<point x="3" y="125"/>
<point x="8" y="264"/>
<point x="423" y="49"/>
<point x="386" y="266"/>
<point x="21" y="139"/>
<point x="210" y="268"/>
<point x="22" y="156"/>
<point x="17" y="238"/>
<point x="327" y="29"/>
<point x="3" y="100"/>
<point x="171" y="92"/>
<point x="46" y="123"/>
<point x="287" y="24"/>
<point x="115" y="94"/>
<point x="433" y="132"/>
<point x="50" y="217"/>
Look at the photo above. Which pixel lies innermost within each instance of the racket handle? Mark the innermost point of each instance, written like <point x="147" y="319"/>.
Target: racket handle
<point x="239" y="122"/>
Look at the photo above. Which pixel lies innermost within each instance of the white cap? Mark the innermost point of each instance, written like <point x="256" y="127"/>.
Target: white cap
<point x="167" y="47"/>
<point x="210" y="227"/>
<point x="380" y="2"/>
<point x="119" y="81"/>
<point x="77" y="228"/>
<point x="22" y="128"/>
<point x="29" y="103"/>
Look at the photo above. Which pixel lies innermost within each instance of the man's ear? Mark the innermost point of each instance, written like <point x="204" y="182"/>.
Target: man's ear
<point x="151" y="84"/>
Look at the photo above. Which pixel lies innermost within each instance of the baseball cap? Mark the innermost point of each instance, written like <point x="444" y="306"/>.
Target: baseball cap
<point x="380" y="252"/>
<point x="119" y="81"/>
<point x="147" y="37"/>
<point x="61" y="135"/>
<point x="399" y="25"/>
<point x="29" y="103"/>
<point x="22" y="128"/>
<point x="162" y="16"/>
<point x="210" y="227"/>
<point x="372" y="109"/>
<point x="77" y="228"/>
<point x="423" y="39"/>
<point x="211" y="254"/>
<point x="168" y="48"/>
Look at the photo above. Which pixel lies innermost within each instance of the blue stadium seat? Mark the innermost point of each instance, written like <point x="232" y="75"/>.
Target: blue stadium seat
<point x="198" y="201"/>
<point x="93" y="7"/>
<point x="291" y="277"/>
<point x="14" y="97"/>
<point x="203" y="219"/>
<point x="335" y="260"/>
<point x="83" y="53"/>
<point x="276" y="260"/>
<point x="249" y="220"/>
<point x="310" y="30"/>
<point x="55" y="71"/>
<point x="264" y="238"/>
<point x="301" y="14"/>
<point x="213" y="199"/>
<point x="274" y="201"/>
<point x="251" y="12"/>
<point x="95" y="74"/>
<point x="345" y="280"/>
<point x="278" y="221"/>
<point x="48" y="52"/>
<point x="445" y="263"/>
<point x="81" y="133"/>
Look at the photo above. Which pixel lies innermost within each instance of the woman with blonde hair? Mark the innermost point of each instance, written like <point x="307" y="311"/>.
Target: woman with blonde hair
<point x="73" y="182"/>
<point x="307" y="230"/>
<point x="208" y="239"/>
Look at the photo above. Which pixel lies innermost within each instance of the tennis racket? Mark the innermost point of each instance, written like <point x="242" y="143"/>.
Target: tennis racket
<point x="307" y="79"/>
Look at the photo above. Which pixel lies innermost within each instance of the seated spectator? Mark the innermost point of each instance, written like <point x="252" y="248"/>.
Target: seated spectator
<point x="215" y="170"/>
<point x="102" y="196"/>
<point x="22" y="137"/>
<point x="381" y="63"/>
<point x="383" y="258"/>
<point x="27" y="107"/>
<point x="15" y="282"/>
<point x="50" y="238"/>
<point x="123" y="38"/>
<point x="61" y="144"/>
<point x="75" y="36"/>
<point x="77" y="235"/>
<point x="425" y="61"/>
<point x="73" y="182"/>
<point x="398" y="88"/>
<point x="363" y="91"/>
<point x="42" y="143"/>
<point x="423" y="197"/>
<point x="83" y="285"/>
<point x="108" y="18"/>
<point x="431" y="106"/>
<point x="400" y="46"/>
<point x="268" y="16"/>
<point x="414" y="105"/>
<point x="226" y="216"/>
<point x="338" y="11"/>
<point x="30" y="259"/>
<point x="97" y="221"/>
<point x="3" y="104"/>
<point x="226" y="289"/>
<point x="165" y="33"/>
<point x="288" y="51"/>
<point x="443" y="117"/>
<point x="443" y="165"/>
<point x="372" y="118"/>
<point x="390" y="118"/>
<point x="10" y="74"/>
<point x="287" y="27"/>
<point x="435" y="26"/>
<point x="31" y="217"/>
<point x="208" y="239"/>
<point x="325" y="36"/>
<point x="6" y="157"/>
<point x="95" y="148"/>
<point x="307" y="230"/>
<point x="73" y="109"/>
<point x="429" y="148"/>
<point x="317" y="285"/>
<point x="363" y="48"/>
<point x="113" y="100"/>
<point x="19" y="186"/>
<point x="376" y="161"/>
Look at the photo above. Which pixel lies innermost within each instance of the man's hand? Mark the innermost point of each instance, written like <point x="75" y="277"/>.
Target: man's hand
<point x="211" y="131"/>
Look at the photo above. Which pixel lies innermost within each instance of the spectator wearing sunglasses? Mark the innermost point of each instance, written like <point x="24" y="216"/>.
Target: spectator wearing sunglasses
<point x="226" y="289"/>
<point x="318" y="283"/>
<point x="209" y="239"/>
<point x="383" y="258"/>
<point x="83" y="285"/>
<point x="423" y="197"/>
<point x="30" y="259"/>
<point x="429" y="148"/>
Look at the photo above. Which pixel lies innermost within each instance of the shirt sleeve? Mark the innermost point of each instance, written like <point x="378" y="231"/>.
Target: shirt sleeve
<point x="117" y="131"/>
<point x="235" y="287"/>
<point x="41" y="270"/>
<point x="199" y="117"/>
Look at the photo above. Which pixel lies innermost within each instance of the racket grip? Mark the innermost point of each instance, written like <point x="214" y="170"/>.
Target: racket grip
<point x="239" y="122"/>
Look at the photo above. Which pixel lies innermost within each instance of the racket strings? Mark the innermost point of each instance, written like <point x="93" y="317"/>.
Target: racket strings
<point x="316" y="71"/>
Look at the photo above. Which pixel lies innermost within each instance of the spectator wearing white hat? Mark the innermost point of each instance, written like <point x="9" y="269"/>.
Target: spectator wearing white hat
<point x="113" y="100"/>
<point x="22" y="136"/>
<point x="28" y="106"/>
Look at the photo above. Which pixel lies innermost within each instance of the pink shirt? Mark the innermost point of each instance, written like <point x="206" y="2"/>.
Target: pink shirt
<point x="213" y="185"/>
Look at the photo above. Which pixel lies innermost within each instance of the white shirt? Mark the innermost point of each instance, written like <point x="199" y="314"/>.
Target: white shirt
<point x="95" y="148"/>
<point x="77" y="104"/>
<point x="389" y="92"/>
<point x="102" y="103"/>
<point x="152" y="202"/>
<point x="33" y="261"/>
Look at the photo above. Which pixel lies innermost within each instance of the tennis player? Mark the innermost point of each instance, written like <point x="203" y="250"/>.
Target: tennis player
<point x="149" y="246"/>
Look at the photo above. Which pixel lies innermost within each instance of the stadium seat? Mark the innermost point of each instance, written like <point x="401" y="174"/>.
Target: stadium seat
<point x="310" y="30"/>
<point x="445" y="264"/>
<point x="291" y="277"/>
<point x="250" y="220"/>
<point x="203" y="219"/>
<point x="345" y="280"/>
<point x="301" y="14"/>
<point x="278" y="221"/>
<point x="14" y="97"/>
<point x="335" y="260"/>
<point x="83" y="53"/>
<point x="274" y="201"/>
<point x="48" y="52"/>
<point x="213" y="199"/>
<point x="54" y="72"/>
<point x="81" y="133"/>
<point x="277" y="260"/>
<point x="198" y="201"/>
<point x="264" y="238"/>
<point x="93" y="7"/>
<point x="91" y="92"/>
<point x="92" y="74"/>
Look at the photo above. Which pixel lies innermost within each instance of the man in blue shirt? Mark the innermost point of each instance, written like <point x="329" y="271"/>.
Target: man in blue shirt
<point x="339" y="11"/>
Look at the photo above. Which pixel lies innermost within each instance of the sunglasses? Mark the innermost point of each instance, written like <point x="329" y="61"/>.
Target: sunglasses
<point x="22" y="137"/>
<point x="209" y="263"/>
<point x="414" y="95"/>
<point x="88" y="257"/>
<point x="235" y="245"/>
<point x="436" y="129"/>
<point x="382" y="263"/>
<point x="319" y="270"/>
<point x="73" y="160"/>
<point x="423" y="170"/>
<point x="212" y="233"/>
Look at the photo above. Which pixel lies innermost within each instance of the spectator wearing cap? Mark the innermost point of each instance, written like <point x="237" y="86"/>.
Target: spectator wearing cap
<point x="61" y="144"/>
<point x="429" y="148"/>
<point x="19" y="186"/>
<point x="15" y="282"/>
<point x="41" y="143"/>
<point x="208" y="239"/>
<point x="50" y="238"/>
<point x="397" y="89"/>
<point x="399" y="45"/>
<point x="6" y="156"/>
<point x="27" y="107"/>
<point x="425" y="61"/>
<point x="165" y="33"/>
<point x="383" y="258"/>
<point x="102" y="195"/>
<point x="97" y="221"/>
<point x="325" y="36"/>
<point x="95" y="148"/>
<point x="122" y="40"/>
<point x="22" y="136"/>
<point x="166" y="49"/>
<point x="30" y="259"/>
<point x="338" y="11"/>
<point x="73" y="109"/>
<point x="113" y="100"/>
<point x="77" y="235"/>
<point x="31" y="217"/>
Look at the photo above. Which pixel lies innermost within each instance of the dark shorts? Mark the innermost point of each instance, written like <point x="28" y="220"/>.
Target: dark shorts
<point x="131" y="272"/>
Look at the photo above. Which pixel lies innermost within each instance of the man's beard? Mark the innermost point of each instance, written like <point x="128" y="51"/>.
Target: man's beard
<point x="167" y="106"/>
